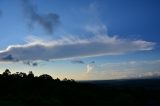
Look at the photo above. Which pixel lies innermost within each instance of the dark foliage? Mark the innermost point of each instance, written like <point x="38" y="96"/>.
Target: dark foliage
<point x="21" y="89"/>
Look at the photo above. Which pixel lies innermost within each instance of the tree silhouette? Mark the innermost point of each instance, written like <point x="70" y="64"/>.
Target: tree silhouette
<point x="21" y="89"/>
<point x="65" y="79"/>
<point x="30" y="74"/>
<point x="57" y="79"/>
<point x="24" y="75"/>
<point x="6" y="73"/>
<point x="45" y="76"/>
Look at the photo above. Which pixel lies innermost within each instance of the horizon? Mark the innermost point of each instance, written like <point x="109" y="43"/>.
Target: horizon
<point x="81" y="40"/>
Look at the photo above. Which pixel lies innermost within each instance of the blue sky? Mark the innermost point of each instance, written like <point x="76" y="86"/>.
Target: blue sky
<point x="82" y="39"/>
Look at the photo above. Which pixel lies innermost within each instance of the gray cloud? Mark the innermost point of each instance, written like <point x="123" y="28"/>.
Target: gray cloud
<point x="8" y="58"/>
<point x="30" y="63"/>
<point x="78" y="61"/>
<point x="81" y="62"/>
<point x="35" y="64"/>
<point x="48" y="22"/>
<point x="92" y="62"/>
<point x="73" y="48"/>
<point x="27" y="63"/>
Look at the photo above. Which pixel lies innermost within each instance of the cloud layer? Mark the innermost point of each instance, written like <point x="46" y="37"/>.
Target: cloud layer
<point x="123" y="70"/>
<point x="73" y="48"/>
<point x="47" y="22"/>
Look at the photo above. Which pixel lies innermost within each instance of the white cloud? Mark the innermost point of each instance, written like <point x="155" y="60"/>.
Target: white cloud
<point x="74" y="47"/>
<point x="96" y="29"/>
<point x="89" y="68"/>
<point x="125" y="70"/>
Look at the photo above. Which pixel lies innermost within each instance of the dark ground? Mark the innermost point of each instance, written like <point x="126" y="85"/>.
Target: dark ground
<point x="27" y="90"/>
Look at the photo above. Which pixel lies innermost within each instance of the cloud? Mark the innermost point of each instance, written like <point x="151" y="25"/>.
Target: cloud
<point x="96" y="29"/>
<point x="73" y="48"/>
<point x="89" y="68"/>
<point x="30" y="63"/>
<point x="99" y="44"/>
<point x="35" y="64"/>
<point x="78" y="61"/>
<point x="150" y="65"/>
<point x="92" y="62"/>
<point x="81" y="61"/>
<point x="8" y="58"/>
<point x="48" y="22"/>
<point x="124" y="70"/>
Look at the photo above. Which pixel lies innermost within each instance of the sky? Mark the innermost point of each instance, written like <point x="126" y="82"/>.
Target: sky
<point x="81" y="39"/>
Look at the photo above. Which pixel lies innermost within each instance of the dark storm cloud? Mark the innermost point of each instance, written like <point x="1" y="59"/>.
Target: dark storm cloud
<point x="47" y="21"/>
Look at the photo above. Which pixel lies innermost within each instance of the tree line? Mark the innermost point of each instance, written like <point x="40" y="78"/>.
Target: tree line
<point x="21" y="75"/>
